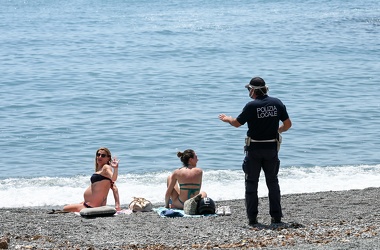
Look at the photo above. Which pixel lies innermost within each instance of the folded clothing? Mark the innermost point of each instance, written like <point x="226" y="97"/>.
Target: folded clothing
<point x="170" y="213"/>
<point x="159" y="211"/>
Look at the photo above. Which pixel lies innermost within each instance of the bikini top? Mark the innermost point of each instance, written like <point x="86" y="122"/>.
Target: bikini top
<point x="98" y="177"/>
<point x="191" y="191"/>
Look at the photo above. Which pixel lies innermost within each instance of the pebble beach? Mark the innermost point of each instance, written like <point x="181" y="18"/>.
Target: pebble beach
<point x="322" y="220"/>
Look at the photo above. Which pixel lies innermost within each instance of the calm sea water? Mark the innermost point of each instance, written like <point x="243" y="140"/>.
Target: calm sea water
<point x="149" y="78"/>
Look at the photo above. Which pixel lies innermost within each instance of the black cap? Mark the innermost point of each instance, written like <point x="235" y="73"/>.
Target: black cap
<point x="257" y="81"/>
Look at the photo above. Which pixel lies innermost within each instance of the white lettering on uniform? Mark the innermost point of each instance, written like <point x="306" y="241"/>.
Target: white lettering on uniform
<point x="269" y="111"/>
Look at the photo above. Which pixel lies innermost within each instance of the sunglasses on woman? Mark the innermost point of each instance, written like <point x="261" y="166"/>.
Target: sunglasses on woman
<point x="101" y="155"/>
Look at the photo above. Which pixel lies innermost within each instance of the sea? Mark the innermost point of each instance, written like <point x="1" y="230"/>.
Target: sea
<point x="147" y="79"/>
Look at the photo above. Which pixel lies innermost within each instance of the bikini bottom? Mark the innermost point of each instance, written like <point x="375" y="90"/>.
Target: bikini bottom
<point x="181" y="201"/>
<point x="85" y="204"/>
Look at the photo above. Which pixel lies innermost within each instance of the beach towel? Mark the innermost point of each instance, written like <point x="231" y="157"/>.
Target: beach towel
<point x="161" y="211"/>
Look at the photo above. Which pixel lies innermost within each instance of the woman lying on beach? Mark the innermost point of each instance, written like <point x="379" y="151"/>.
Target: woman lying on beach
<point x="185" y="182"/>
<point x="101" y="182"/>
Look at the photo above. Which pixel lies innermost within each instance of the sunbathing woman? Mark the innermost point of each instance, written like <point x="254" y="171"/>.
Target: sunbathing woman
<point x="101" y="182"/>
<point x="185" y="182"/>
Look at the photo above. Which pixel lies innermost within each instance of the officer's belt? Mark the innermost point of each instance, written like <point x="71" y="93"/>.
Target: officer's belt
<point x="272" y="140"/>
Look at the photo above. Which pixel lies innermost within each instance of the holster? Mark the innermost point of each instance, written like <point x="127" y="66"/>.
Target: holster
<point x="279" y="141"/>
<point x="247" y="143"/>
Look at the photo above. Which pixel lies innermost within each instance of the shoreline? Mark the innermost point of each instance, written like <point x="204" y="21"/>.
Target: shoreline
<point x="322" y="220"/>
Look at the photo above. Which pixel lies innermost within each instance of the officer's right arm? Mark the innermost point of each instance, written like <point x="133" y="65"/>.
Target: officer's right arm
<point x="230" y="120"/>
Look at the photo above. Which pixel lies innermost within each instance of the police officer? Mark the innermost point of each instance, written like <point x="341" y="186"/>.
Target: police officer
<point x="262" y="144"/>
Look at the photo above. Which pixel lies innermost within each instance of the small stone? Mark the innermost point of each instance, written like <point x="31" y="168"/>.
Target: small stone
<point x="4" y="243"/>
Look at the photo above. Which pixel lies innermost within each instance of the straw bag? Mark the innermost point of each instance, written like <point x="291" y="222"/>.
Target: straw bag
<point x="140" y="204"/>
<point x="191" y="205"/>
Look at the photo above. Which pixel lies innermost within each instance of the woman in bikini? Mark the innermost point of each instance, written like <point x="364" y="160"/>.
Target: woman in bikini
<point x="101" y="182"/>
<point x="185" y="182"/>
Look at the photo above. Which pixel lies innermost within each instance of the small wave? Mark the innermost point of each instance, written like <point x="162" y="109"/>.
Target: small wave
<point x="219" y="184"/>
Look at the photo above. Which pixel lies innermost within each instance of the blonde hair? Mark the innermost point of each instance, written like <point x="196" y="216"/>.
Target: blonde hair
<point x="108" y="153"/>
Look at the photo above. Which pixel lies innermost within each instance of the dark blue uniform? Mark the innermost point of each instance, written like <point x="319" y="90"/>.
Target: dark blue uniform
<point x="262" y="115"/>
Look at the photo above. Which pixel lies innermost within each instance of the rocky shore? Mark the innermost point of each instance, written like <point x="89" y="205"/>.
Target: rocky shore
<point x="323" y="220"/>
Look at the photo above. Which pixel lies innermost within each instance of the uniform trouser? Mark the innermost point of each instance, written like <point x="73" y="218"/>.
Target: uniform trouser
<point x="255" y="160"/>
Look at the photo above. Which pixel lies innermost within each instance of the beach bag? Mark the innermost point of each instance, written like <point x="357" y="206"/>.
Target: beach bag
<point x="206" y="206"/>
<point x="139" y="204"/>
<point x="191" y="205"/>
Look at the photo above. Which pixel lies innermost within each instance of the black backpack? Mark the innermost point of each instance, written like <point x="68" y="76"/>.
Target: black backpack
<point x="206" y="206"/>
